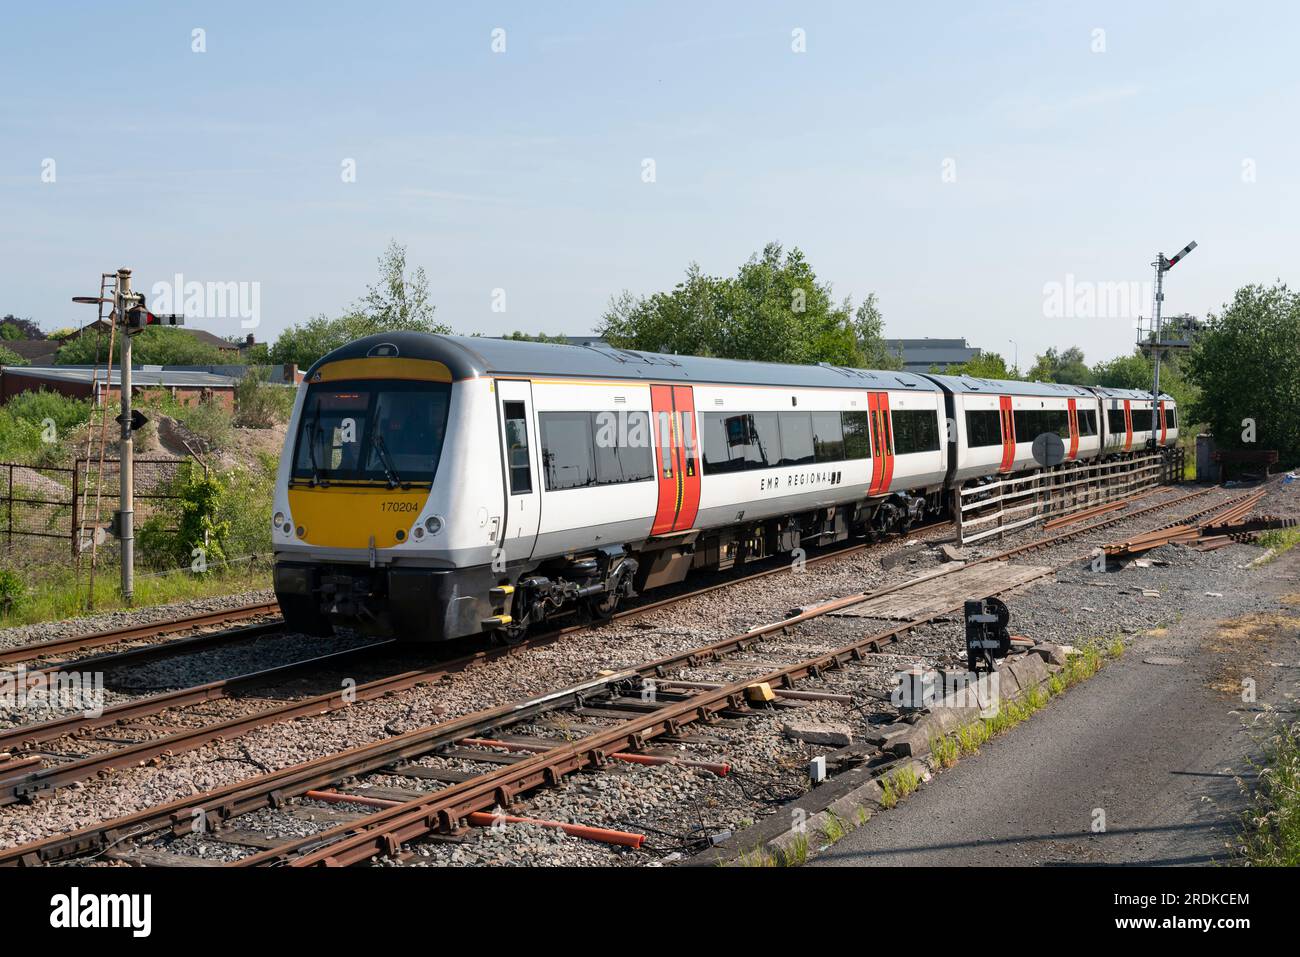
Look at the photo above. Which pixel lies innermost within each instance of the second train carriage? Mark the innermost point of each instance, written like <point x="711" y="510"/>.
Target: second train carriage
<point x="438" y="486"/>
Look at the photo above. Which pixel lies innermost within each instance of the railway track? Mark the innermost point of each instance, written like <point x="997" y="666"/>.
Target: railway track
<point x="23" y="779"/>
<point x="522" y="765"/>
<point x="77" y="643"/>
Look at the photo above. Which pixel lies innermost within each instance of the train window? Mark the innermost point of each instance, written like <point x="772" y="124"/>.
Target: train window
<point x="371" y="431"/>
<point x="983" y="427"/>
<point x="915" y="430"/>
<point x="1115" y="422"/>
<point x="767" y="440"/>
<point x="689" y="453"/>
<point x="521" y="473"/>
<point x="623" y="447"/>
<point x="717" y="450"/>
<point x="857" y="440"/>
<point x="1058" y="421"/>
<point x="796" y="438"/>
<point x="1087" y="421"/>
<point x="1171" y="417"/>
<point x="733" y="443"/>
<point x="1031" y="423"/>
<point x="666" y="442"/>
<point x="568" y="452"/>
<point x="828" y="437"/>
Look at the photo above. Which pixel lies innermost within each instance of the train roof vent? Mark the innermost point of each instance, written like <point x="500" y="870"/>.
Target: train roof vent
<point x="648" y="358"/>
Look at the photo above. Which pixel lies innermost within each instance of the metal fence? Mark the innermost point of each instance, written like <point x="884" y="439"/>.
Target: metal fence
<point x="1002" y="505"/>
<point x="60" y="503"/>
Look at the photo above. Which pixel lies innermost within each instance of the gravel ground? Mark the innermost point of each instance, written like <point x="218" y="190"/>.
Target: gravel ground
<point x="89" y="624"/>
<point x="117" y="685"/>
<point x="757" y="749"/>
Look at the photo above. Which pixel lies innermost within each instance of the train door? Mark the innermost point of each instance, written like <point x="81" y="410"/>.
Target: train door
<point x="882" y="443"/>
<point x="1163" y="429"/>
<point x="1073" y="416"/>
<point x="1008" y="433"/>
<point x="520" y="450"/>
<point x="677" y="460"/>
<point x="1128" y="425"/>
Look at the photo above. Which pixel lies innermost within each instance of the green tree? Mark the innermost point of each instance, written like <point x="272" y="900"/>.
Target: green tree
<point x="773" y="310"/>
<point x="869" y="331"/>
<point x="986" y="365"/>
<point x="539" y="337"/>
<point x="11" y="327"/>
<point x="1135" y="371"/>
<point x="1067" y="367"/>
<point x="1247" y="365"/>
<point x="397" y="302"/>
<point x="304" y="344"/>
<point x="1132" y="371"/>
<point x="154" y="346"/>
<point x="10" y="358"/>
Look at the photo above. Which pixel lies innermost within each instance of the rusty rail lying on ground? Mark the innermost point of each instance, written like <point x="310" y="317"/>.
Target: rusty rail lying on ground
<point x="1189" y="533"/>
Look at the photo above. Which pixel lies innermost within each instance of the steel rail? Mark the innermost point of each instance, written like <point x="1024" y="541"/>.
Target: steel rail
<point x="33" y="782"/>
<point x="29" y="734"/>
<point x="53" y="646"/>
<point x="165" y="649"/>
<point x="242" y="796"/>
<point x="385" y="831"/>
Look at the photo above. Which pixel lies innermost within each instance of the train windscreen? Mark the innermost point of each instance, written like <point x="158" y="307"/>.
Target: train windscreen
<point x="371" y="431"/>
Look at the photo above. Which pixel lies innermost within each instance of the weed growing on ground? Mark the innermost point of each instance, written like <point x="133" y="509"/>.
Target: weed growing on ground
<point x="1270" y="835"/>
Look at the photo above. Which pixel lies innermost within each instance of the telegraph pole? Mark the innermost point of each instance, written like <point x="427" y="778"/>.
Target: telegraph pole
<point x="1162" y="265"/>
<point x="126" y="473"/>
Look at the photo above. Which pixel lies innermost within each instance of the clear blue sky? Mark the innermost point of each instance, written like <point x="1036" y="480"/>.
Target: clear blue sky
<point x="523" y="170"/>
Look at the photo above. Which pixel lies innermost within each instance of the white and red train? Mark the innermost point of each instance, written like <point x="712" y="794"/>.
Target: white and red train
<point x="435" y="487"/>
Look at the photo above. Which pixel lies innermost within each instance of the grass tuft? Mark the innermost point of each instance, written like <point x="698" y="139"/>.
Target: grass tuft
<point x="796" y="853"/>
<point x="946" y="750"/>
<point x="1281" y="540"/>
<point x="834" y="828"/>
<point x="1270" y="835"/>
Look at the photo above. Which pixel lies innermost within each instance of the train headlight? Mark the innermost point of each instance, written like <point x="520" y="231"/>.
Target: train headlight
<point x="434" y="524"/>
<point x="278" y="521"/>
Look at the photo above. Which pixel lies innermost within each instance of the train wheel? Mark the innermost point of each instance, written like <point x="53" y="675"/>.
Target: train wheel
<point x="603" y="608"/>
<point x="511" y="635"/>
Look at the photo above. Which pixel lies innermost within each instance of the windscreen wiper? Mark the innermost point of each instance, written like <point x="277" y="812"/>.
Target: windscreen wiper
<point x="386" y="460"/>
<point x="312" y="436"/>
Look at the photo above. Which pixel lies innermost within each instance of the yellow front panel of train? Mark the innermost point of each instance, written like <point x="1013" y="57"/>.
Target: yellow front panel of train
<point x="346" y="517"/>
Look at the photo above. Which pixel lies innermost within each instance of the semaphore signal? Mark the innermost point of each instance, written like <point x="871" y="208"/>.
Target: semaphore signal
<point x="1162" y="266"/>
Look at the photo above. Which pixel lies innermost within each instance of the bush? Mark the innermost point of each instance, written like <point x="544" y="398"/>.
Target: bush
<point x="207" y="419"/>
<point x="246" y="507"/>
<point x="10" y="358"/>
<point x="169" y="536"/>
<point x="25" y="421"/>
<point x="259" y="404"/>
<point x="232" y="508"/>
<point x="12" y="590"/>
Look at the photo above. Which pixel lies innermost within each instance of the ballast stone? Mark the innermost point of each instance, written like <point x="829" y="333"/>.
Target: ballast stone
<point x="817" y="732"/>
